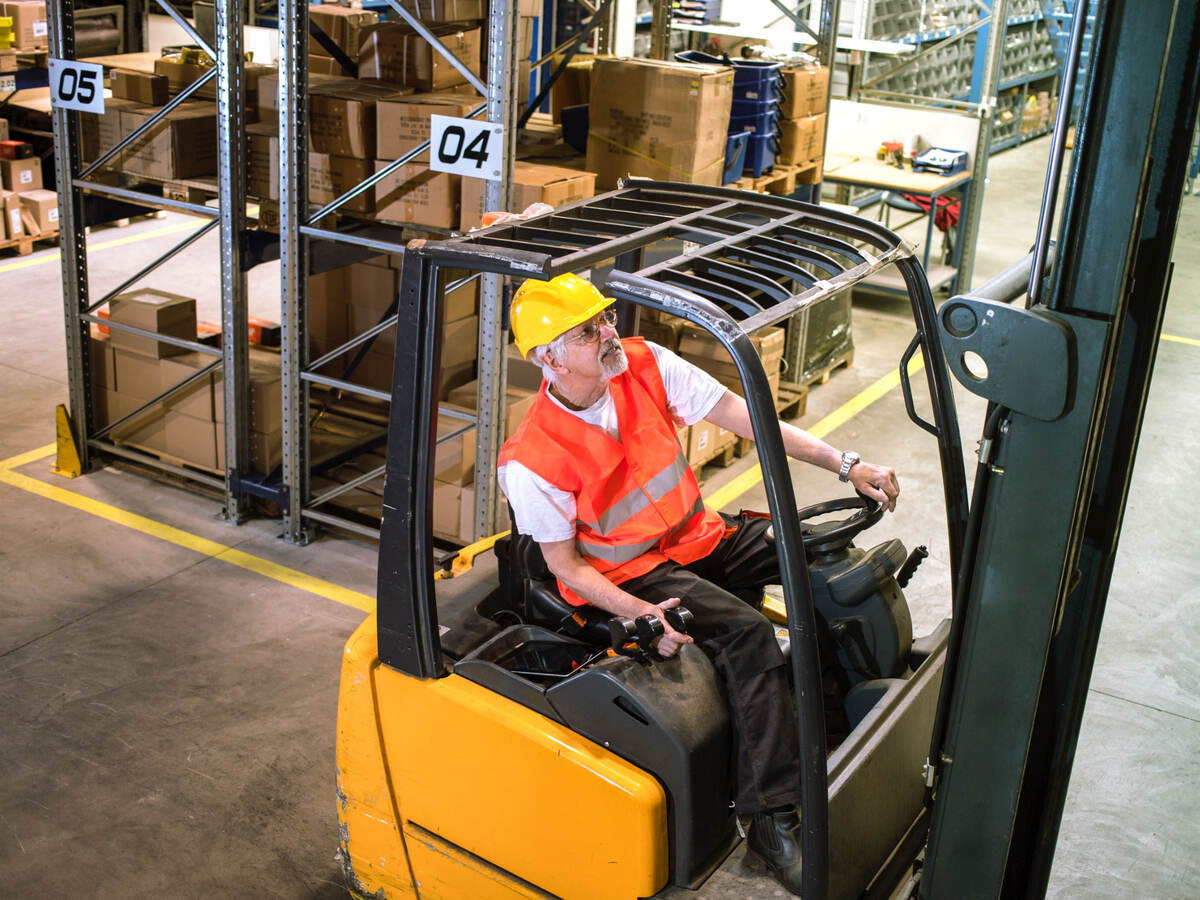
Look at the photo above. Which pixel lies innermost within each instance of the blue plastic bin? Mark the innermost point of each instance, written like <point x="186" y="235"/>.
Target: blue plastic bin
<point x="760" y="153"/>
<point x="757" y="80"/>
<point x="763" y="123"/>
<point x="735" y="156"/>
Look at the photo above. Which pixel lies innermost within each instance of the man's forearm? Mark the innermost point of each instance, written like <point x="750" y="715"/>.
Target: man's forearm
<point x="597" y="590"/>
<point x="731" y="413"/>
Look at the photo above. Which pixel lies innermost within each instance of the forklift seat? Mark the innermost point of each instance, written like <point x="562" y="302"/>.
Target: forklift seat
<point x="537" y="590"/>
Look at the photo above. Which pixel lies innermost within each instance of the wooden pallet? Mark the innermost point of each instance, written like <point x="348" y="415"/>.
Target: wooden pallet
<point x="24" y="244"/>
<point x="822" y="376"/>
<point x="780" y="180"/>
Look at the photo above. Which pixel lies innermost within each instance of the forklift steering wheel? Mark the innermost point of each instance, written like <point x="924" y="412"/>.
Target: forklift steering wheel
<point x="832" y="537"/>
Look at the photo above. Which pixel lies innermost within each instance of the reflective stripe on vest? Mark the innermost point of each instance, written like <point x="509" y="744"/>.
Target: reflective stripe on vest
<point x="640" y="497"/>
<point x="623" y="553"/>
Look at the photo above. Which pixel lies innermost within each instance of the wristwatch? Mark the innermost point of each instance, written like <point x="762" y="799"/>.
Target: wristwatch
<point x="849" y="458"/>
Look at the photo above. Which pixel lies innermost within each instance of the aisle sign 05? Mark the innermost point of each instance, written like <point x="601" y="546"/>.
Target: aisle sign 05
<point x="465" y="147"/>
<point x="77" y="85"/>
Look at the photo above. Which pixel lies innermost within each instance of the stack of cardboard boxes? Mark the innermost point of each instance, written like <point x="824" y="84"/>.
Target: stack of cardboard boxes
<point x="28" y="209"/>
<point x="658" y="119"/>
<point x="128" y="370"/>
<point x="28" y="26"/>
<point x="802" y="119"/>
<point x="351" y="300"/>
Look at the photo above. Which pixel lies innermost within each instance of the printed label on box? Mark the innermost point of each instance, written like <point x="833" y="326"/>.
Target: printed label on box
<point x="53" y="215"/>
<point x="26" y="176"/>
<point x="39" y="29"/>
<point x="15" y="221"/>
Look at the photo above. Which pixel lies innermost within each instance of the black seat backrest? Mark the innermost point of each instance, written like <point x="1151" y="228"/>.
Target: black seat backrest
<point x="533" y="591"/>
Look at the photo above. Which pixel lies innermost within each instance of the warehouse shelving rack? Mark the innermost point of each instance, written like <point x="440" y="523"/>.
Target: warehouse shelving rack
<point x="73" y="180"/>
<point x="299" y="227"/>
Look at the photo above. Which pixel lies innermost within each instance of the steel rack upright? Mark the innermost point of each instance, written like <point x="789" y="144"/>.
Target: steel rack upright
<point x="73" y="179"/>
<point x="302" y="227"/>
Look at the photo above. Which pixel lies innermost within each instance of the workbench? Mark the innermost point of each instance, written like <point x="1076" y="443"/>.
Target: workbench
<point x="872" y="173"/>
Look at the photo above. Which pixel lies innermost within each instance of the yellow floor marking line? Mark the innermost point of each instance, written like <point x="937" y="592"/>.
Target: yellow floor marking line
<point x="15" y="462"/>
<point x="55" y="255"/>
<point x="182" y="538"/>
<point x="1180" y="340"/>
<point x="728" y="493"/>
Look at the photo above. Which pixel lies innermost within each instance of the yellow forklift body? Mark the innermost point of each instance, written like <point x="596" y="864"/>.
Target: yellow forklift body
<point x="445" y="788"/>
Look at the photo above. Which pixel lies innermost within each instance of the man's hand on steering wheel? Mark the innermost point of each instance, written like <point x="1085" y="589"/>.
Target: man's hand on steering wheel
<point x="877" y="482"/>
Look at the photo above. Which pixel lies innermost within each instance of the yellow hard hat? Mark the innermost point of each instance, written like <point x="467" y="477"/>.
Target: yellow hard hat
<point x="542" y="310"/>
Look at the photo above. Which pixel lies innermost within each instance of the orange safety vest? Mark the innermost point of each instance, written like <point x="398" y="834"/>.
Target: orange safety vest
<point x="637" y="503"/>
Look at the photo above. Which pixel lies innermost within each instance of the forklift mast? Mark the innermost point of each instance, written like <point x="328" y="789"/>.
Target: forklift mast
<point x="1067" y="379"/>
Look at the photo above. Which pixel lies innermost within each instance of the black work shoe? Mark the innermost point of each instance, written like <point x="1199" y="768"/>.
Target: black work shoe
<point x="776" y="838"/>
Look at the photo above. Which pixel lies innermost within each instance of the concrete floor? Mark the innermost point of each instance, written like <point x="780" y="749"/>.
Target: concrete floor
<point x="169" y="716"/>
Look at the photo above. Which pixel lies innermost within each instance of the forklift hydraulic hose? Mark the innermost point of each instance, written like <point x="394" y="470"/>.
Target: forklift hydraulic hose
<point x="959" y="601"/>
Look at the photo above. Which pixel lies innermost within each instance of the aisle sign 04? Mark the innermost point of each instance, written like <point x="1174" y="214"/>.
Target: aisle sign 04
<point x="466" y="147"/>
<point x="77" y="85"/>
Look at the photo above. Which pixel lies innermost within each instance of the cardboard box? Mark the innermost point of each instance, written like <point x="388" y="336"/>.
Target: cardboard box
<point x="3" y="123"/>
<point x="343" y="24"/>
<point x="262" y="161"/>
<point x="663" y="120"/>
<point x="414" y="195"/>
<point x="522" y="373"/>
<point x="21" y="175"/>
<point x="454" y="512"/>
<point x="180" y="74"/>
<point x="39" y="211"/>
<point x="327" y="314"/>
<point x="267" y="95"/>
<point x="454" y="458"/>
<point x="461" y="302"/>
<point x="152" y="310"/>
<point x="437" y="12"/>
<point x="517" y="406"/>
<point x="192" y="440"/>
<point x="341" y="115"/>
<point x="98" y="132"/>
<point x="531" y="183"/>
<point x="183" y="145"/>
<point x="29" y="24"/>
<point x="370" y="292"/>
<point x="137" y="375"/>
<point x="146" y="432"/>
<point x="320" y="64"/>
<point x="266" y="393"/>
<point x="403" y="122"/>
<point x="144" y="87"/>
<point x="10" y="205"/>
<point x="695" y="343"/>
<point x="331" y="176"/>
<point x="197" y="399"/>
<point x="102" y="367"/>
<point x="460" y="343"/>
<point x="804" y="92"/>
<point x="393" y="52"/>
<point x="665" y="334"/>
<point x="574" y="86"/>
<point x="266" y="449"/>
<point x="801" y="140"/>
<point x="8" y="63"/>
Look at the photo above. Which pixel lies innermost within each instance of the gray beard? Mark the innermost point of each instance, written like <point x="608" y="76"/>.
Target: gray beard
<point x="616" y="363"/>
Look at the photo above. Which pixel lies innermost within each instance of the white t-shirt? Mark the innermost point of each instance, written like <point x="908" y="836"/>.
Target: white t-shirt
<point x="547" y="513"/>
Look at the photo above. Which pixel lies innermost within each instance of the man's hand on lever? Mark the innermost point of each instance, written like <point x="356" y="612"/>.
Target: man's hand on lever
<point x="670" y="642"/>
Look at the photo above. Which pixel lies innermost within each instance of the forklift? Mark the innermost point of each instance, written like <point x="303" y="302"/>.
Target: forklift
<point x="494" y="742"/>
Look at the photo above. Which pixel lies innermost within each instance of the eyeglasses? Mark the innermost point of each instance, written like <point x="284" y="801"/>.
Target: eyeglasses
<point x="589" y="332"/>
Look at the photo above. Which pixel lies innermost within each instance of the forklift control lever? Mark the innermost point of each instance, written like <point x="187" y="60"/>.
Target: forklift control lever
<point x="644" y="630"/>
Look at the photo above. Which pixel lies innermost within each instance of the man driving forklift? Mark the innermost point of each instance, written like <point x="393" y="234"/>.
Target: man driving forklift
<point x="595" y="477"/>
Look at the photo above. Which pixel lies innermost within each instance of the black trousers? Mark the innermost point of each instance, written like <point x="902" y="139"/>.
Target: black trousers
<point x="724" y="593"/>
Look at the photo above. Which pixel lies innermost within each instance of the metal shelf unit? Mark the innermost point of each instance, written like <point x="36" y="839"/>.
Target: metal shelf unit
<point x="301" y="228"/>
<point x="952" y="36"/>
<point x="73" y="180"/>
